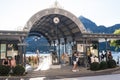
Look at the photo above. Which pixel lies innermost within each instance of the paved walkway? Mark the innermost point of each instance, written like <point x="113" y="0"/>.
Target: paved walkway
<point x="61" y="73"/>
<point x="99" y="77"/>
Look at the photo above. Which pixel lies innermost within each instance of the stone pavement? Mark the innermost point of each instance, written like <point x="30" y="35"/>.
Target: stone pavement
<point x="98" y="77"/>
<point x="60" y="73"/>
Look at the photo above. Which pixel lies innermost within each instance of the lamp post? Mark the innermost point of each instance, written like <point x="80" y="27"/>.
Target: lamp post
<point x="56" y="20"/>
<point x="37" y="49"/>
<point x="23" y="45"/>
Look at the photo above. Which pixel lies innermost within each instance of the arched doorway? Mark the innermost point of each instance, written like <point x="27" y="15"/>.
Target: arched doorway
<point x="58" y="26"/>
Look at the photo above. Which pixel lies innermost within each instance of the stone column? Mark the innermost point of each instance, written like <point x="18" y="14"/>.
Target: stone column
<point x="106" y="48"/>
<point x="59" y="51"/>
<point x="65" y="39"/>
<point x="85" y="52"/>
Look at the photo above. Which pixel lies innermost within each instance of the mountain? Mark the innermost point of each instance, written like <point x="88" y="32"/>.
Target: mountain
<point x="38" y="44"/>
<point x="89" y="25"/>
<point x="92" y="27"/>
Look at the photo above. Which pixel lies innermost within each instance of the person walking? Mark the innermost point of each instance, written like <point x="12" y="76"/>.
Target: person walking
<point x="110" y="57"/>
<point x="75" y="60"/>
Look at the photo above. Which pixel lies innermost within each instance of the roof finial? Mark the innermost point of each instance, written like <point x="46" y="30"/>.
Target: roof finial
<point x="56" y="5"/>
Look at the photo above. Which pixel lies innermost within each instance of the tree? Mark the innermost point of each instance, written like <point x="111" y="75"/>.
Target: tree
<point x="116" y="43"/>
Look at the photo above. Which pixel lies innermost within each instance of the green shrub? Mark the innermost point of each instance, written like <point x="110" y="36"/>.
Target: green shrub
<point x="103" y="65"/>
<point x="111" y="64"/>
<point x="94" y="66"/>
<point x="18" y="70"/>
<point x="4" y="70"/>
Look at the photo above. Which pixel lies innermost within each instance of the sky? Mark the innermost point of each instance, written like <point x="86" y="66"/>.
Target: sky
<point x="14" y="14"/>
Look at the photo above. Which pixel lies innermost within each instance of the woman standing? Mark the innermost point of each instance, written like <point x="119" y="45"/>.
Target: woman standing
<point x="74" y="60"/>
<point x="6" y="62"/>
<point x="13" y="62"/>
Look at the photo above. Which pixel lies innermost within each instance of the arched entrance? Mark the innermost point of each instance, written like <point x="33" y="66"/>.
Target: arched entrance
<point x="57" y="25"/>
<point x="43" y="22"/>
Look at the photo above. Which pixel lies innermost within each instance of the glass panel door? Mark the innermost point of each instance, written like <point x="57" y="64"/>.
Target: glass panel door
<point x="3" y="51"/>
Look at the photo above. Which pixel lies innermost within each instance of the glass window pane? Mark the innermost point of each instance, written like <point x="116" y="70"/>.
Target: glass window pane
<point x="3" y="51"/>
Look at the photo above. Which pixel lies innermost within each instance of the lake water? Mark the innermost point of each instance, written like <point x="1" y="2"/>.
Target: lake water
<point x="116" y="56"/>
